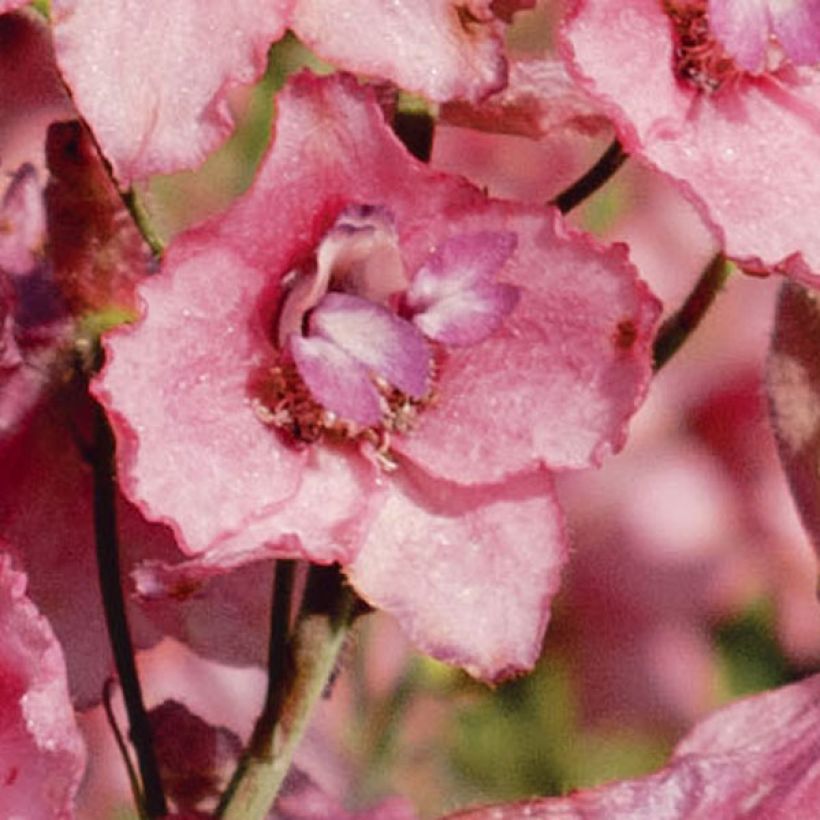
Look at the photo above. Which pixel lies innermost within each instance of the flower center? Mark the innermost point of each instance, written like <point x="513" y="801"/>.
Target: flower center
<point x="359" y="345"/>
<point x="699" y="59"/>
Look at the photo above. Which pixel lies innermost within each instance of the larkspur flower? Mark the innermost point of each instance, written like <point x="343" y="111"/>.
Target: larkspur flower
<point x="156" y="108"/>
<point x="740" y="143"/>
<point x="367" y="361"/>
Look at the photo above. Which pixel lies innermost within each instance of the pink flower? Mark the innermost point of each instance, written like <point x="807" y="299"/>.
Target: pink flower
<point x="366" y="361"/>
<point x="42" y="756"/>
<point x="137" y="75"/>
<point x="740" y="144"/>
<point x="746" y="28"/>
<point x="756" y="758"/>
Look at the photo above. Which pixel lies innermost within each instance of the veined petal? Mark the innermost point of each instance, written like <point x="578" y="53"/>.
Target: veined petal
<point x="336" y="380"/>
<point x="388" y="345"/>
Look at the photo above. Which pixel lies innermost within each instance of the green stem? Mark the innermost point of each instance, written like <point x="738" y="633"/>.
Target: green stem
<point x="328" y="609"/>
<point x="142" y="220"/>
<point x="600" y="173"/>
<point x="679" y="326"/>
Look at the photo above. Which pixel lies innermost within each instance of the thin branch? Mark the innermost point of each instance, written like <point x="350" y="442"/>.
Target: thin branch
<point x="108" y="564"/>
<point x="328" y="609"/>
<point x="680" y="325"/>
<point x="597" y="176"/>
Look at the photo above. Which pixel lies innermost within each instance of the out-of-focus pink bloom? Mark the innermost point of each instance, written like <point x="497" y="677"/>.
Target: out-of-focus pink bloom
<point x="229" y="441"/>
<point x="756" y="758"/>
<point x="137" y="73"/>
<point x="33" y="320"/>
<point x="793" y="387"/>
<point x="43" y="757"/>
<point x="738" y="143"/>
<point x="745" y="28"/>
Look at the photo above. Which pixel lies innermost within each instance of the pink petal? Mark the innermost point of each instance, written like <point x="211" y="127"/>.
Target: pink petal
<point x="457" y="299"/>
<point x="389" y="346"/>
<point x="797" y="26"/>
<point x="10" y="5"/>
<point x="42" y="757"/>
<point x="756" y="758"/>
<point x="22" y="222"/>
<point x="361" y="254"/>
<point x="137" y="73"/>
<point x="439" y="48"/>
<point x="742" y="26"/>
<point x="477" y="568"/>
<point x="793" y="387"/>
<point x="743" y="155"/>
<point x="540" y="99"/>
<point x="559" y="380"/>
<point x="336" y="380"/>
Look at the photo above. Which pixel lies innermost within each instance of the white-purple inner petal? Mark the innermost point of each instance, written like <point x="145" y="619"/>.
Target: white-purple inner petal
<point x="336" y="380"/>
<point x="469" y="316"/>
<point x="388" y="345"/>
<point x="459" y="264"/>
<point x="454" y="296"/>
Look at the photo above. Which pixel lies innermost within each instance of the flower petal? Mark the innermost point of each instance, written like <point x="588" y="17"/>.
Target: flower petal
<point x="455" y="295"/>
<point x="477" y="567"/>
<point x="559" y="380"/>
<point x="336" y="380"/>
<point x="42" y="756"/>
<point x="797" y="26"/>
<point x="439" y="48"/>
<point x="137" y="73"/>
<point x="744" y="155"/>
<point x="742" y="26"/>
<point x="390" y="346"/>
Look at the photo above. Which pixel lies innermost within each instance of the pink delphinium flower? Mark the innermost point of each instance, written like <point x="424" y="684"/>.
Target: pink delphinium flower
<point x="42" y="756"/>
<point x="756" y="758"/>
<point x="136" y="71"/>
<point x="366" y="361"/>
<point x="741" y="144"/>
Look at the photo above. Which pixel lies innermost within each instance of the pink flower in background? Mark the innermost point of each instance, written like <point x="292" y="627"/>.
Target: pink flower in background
<point x="42" y="756"/>
<point x="740" y="144"/>
<point x="746" y="28"/>
<point x="137" y="76"/>
<point x="366" y="361"/>
<point x="756" y="758"/>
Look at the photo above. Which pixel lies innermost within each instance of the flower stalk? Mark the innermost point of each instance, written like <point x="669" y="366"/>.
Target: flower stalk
<point x="307" y="664"/>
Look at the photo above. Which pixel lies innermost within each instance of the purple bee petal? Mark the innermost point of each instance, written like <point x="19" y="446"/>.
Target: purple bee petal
<point x="389" y="346"/>
<point x="454" y="296"/>
<point x="336" y="380"/>
<point x="360" y="253"/>
<point x="468" y="316"/>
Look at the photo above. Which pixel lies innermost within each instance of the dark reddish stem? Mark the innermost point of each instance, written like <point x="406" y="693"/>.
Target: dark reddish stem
<point x="679" y="326"/>
<point x="597" y="176"/>
<point x="108" y="565"/>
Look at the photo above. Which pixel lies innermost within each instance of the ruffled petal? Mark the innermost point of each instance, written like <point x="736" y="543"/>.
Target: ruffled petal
<point x="137" y="73"/>
<point x="742" y="26"/>
<point x="42" y="757"/>
<point x="477" y="568"/>
<point x="438" y="48"/>
<point x="743" y="155"/>
<point x="388" y="345"/>
<point x="336" y="379"/>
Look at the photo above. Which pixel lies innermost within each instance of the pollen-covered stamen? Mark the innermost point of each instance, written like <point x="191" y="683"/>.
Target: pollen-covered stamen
<point x="699" y="59"/>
